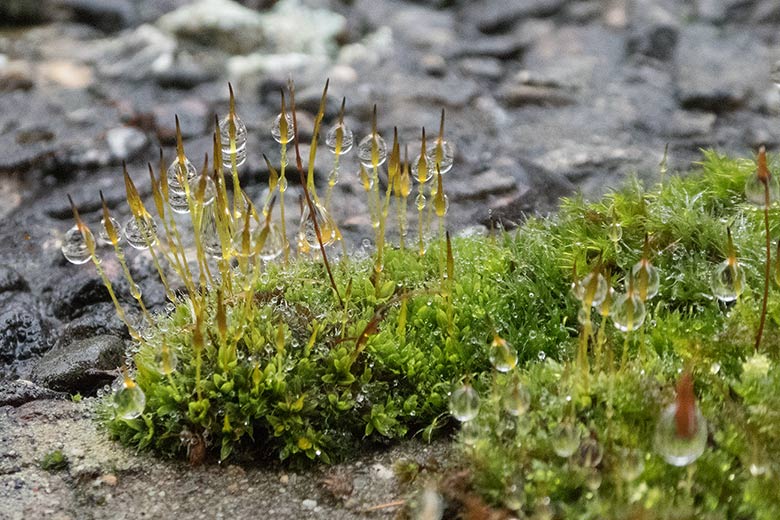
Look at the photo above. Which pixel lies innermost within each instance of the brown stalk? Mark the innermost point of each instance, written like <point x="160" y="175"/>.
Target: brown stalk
<point x="764" y="176"/>
<point x="306" y="194"/>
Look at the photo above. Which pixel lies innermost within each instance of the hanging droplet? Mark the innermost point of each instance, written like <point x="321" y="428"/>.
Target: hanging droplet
<point x="645" y="279"/>
<point x="679" y="450"/>
<point x="441" y="154"/>
<point x="308" y="234"/>
<point x="103" y="234"/>
<point x="728" y="281"/>
<point x="516" y="399"/>
<point x="502" y="355"/>
<point x="541" y="355"/>
<point x="273" y="244"/>
<point x="469" y="432"/>
<point x="166" y="360"/>
<point x="615" y="232"/>
<point x="178" y="202"/>
<point x="589" y="454"/>
<point x="593" y="287"/>
<point x="141" y="232"/>
<point x="368" y="146"/>
<point x="276" y="128"/>
<point x="347" y="138"/>
<point x="427" y="171"/>
<point x="631" y="463"/>
<point x="464" y="403"/>
<point x="174" y="171"/>
<point x="74" y="246"/>
<point x="209" y="190"/>
<point x="628" y="312"/>
<point x="565" y="439"/>
<point x="240" y="141"/>
<point x="129" y="400"/>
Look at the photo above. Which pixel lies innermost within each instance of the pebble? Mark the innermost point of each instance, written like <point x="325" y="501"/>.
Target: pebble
<point x="309" y="504"/>
<point x="125" y="142"/>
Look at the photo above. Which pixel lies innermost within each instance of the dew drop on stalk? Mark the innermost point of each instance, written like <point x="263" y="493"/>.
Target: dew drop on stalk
<point x="103" y="234"/>
<point x="681" y="433"/>
<point x="469" y="433"/>
<point x="565" y="439"/>
<point x="366" y="147"/>
<point x="141" y="232"/>
<point x="442" y="149"/>
<point x="441" y="203"/>
<point x="516" y="399"/>
<point x="754" y="190"/>
<point x="129" y="400"/>
<point x="593" y="287"/>
<point x="273" y="245"/>
<point x="645" y="279"/>
<point x="502" y="355"/>
<point x="628" y="312"/>
<point x="241" y="134"/>
<point x="347" y="138"/>
<point x="428" y="172"/>
<point x="631" y="463"/>
<point x="589" y="454"/>
<point x="174" y="170"/>
<point x="178" y="202"/>
<point x="209" y="190"/>
<point x="307" y="233"/>
<point x="728" y="281"/>
<point x="74" y="246"/>
<point x="541" y="355"/>
<point x="464" y="403"/>
<point x="165" y="360"/>
<point x="276" y="128"/>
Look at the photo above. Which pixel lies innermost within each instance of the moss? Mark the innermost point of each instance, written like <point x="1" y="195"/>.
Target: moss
<point x="54" y="461"/>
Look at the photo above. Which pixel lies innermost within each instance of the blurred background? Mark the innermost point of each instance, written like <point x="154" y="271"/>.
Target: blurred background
<point x="542" y="98"/>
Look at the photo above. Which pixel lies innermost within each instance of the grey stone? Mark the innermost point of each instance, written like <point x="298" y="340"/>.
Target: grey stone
<point x="495" y="180"/>
<point x="484" y="67"/>
<point x="221" y="23"/>
<point x="74" y="289"/>
<point x="125" y="142"/>
<point x="653" y="31"/>
<point x="499" y="15"/>
<point x="687" y="123"/>
<point x="505" y="46"/>
<point x="11" y="280"/>
<point x="20" y="391"/>
<point x="23" y="12"/>
<point x="106" y="15"/>
<point x="23" y="331"/>
<point x="82" y="365"/>
<point x="520" y="95"/>
<point x="721" y="77"/>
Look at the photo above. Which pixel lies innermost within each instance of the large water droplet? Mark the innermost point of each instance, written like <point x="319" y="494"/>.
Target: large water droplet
<point x="241" y="134"/>
<point x="645" y="279"/>
<point x="175" y="171"/>
<point x="74" y="246"/>
<point x="628" y="312"/>
<point x="209" y="190"/>
<point x="141" y="232"/>
<point x="366" y="148"/>
<point x="464" y="403"/>
<point x="307" y="232"/>
<point x="178" y="202"/>
<point x="129" y="401"/>
<point x="754" y="190"/>
<point x="592" y="289"/>
<point x="273" y="245"/>
<point x="589" y="454"/>
<point x="615" y="232"/>
<point x="469" y="432"/>
<point x="441" y="154"/>
<point x="679" y="450"/>
<point x="502" y="355"/>
<point x="427" y="172"/>
<point x="276" y="128"/>
<point x="103" y="233"/>
<point x="631" y="463"/>
<point x="565" y="439"/>
<point x="347" y="138"/>
<point x="516" y="399"/>
<point x="728" y="281"/>
<point x="166" y="360"/>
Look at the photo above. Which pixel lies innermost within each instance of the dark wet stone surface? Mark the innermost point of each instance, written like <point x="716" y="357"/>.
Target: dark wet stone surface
<point x="542" y="98"/>
<point x="80" y="365"/>
<point x="16" y="393"/>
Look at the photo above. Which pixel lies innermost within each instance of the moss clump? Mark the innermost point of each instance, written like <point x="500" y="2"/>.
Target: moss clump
<point x="54" y="461"/>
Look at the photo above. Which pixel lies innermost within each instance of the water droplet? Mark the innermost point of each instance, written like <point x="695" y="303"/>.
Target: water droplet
<point x="178" y="202"/>
<point x="754" y="190"/>
<point x="369" y="145"/>
<point x="728" y="281"/>
<point x="273" y="245"/>
<point x="103" y="234"/>
<point x="442" y="153"/>
<point x="141" y="232"/>
<point x="591" y="290"/>
<point x="129" y="401"/>
<point x="428" y="175"/>
<point x="541" y="355"/>
<point x="593" y="480"/>
<point x="565" y="439"/>
<point x="276" y="128"/>
<point x="347" y="138"/>
<point x="516" y="399"/>
<point x="175" y="170"/>
<point x="631" y="463"/>
<point x="589" y="454"/>
<point x="628" y="312"/>
<point x="615" y="232"/>
<point x="74" y="246"/>
<point x="679" y="450"/>
<point x="757" y="468"/>
<point x="469" y="432"/>
<point x="307" y="235"/>
<point x="464" y="403"/>
<point x="166" y="360"/>
<point x="209" y="190"/>
<point x="715" y="368"/>
<point x="645" y="279"/>
<point x="502" y="355"/>
<point x="441" y="204"/>
<point x="240" y="141"/>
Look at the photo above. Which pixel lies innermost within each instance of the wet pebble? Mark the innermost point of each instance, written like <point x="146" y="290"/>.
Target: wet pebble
<point x="80" y="365"/>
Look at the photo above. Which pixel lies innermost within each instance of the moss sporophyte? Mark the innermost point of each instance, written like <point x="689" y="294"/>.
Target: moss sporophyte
<point x="660" y="404"/>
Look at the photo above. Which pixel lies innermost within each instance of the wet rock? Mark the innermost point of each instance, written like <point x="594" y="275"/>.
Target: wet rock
<point x="719" y="78"/>
<point x="494" y="180"/>
<point x="508" y="46"/>
<point x="106" y="15"/>
<point x="220" y="23"/>
<point x="125" y="143"/>
<point x="687" y="123"/>
<point x="14" y="75"/>
<point x="499" y="15"/>
<point x="23" y="331"/>
<point x="515" y="95"/>
<point x="82" y="365"/>
<point x="195" y="118"/>
<point x="578" y="160"/>
<point x="424" y="28"/>
<point x="11" y="280"/>
<point x="485" y="67"/>
<point x="16" y="393"/>
<point x="23" y="12"/>
<point x="185" y="71"/>
<point x="654" y="31"/>
<point x="135" y="54"/>
<point x="74" y="289"/>
<point x="97" y="319"/>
